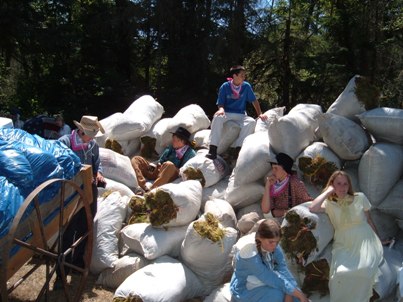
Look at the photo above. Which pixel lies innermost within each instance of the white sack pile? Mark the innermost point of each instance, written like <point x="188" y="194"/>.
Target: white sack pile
<point x="174" y="262"/>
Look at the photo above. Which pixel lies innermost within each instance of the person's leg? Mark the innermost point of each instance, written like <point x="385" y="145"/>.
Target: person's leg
<point x="247" y="127"/>
<point x="168" y="172"/>
<point x="216" y="127"/>
<point x="140" y="166"/>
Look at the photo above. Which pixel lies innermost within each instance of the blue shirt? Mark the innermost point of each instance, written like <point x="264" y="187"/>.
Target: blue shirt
<point x="169" y="154"/>
<point x="232" y="105"/>
<point x="272" y="274"/>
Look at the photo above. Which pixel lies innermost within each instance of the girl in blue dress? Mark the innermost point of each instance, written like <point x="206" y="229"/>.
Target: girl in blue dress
<point x="260" y="271"/>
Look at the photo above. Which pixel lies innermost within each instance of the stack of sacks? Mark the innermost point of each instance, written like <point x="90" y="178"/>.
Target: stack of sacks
<point x="164" y="280"/>
<point x="216" y="191"/>
<point x="295" y="131"/>
<point x="191" y="117"/>
<point x="118" y="167"/>
<point x="111" y="213"/>
<point x="204" y="169"/>
<point x="262" y="125"/>
<point x="230" y="133"/>
<point x="137" y="119"/>
<point x="206" y="251"/>
<point x="315" y="165"/>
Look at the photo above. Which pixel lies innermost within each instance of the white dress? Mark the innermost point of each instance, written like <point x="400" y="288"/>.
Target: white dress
<point x="357" y="251"/>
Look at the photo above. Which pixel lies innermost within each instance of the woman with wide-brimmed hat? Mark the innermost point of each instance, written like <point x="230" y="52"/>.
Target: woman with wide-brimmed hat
<point x="167" y="168"/>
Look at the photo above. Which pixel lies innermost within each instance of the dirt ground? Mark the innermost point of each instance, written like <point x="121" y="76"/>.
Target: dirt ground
<point x="29" y="289"/>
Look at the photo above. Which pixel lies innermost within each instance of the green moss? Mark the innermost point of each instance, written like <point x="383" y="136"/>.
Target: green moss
<point x="297" y="239"/>
<point x="134" y="298"/>
<point x="148" y="146"/>
<point x="209" y="228"/>
<point x="161" y="207"/>
<point x="113" y="145"/>
<point x="316" y="278"/>
<point x="139" y="210"/>
<point x="317" y="170"/>
<point x="194" y="174"/>
<point x="367" y="93"/>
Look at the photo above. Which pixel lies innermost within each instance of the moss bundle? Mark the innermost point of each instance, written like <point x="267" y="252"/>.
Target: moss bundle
<point x="148" y="146"/>
<point x="317" y="170"/>
<point x="209" y="228"/>
<point x="134" y="298"/>
<point x="297" y="240"/>
<point x="316" y="278"/>
<point x="113" y="145"/>
<point x="139" y="210"/>
<point x="366" y="92"/>
<point x="106" y="193"/>
<point x="194" y="174"/>
<point x="161" y="207"/>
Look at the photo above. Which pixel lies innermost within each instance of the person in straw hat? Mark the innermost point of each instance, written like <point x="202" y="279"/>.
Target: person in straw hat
<point x="167" y="169"/>
<point x="81" y="141"/>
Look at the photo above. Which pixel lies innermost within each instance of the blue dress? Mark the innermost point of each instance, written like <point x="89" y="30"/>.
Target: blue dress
<point x="261" y="278"/>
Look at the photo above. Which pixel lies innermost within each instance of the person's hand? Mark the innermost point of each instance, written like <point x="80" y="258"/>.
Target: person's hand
<point x="301" y="296"/>
<point x="263" y="117"/>
<point x="220" y="111"/>
<point x="330" y="190"/>
<point x="271" y="179"/>
<point x="100" y="180"/>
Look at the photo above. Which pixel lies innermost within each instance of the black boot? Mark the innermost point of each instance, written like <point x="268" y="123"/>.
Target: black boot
<point x="212" y="154"/>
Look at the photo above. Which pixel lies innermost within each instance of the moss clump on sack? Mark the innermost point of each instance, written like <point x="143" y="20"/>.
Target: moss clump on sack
<point x="297" y="239"/>
<point x="317" y="170"/>
<point x="139" y="210"/>
<point x="161" y="207"/>
<point x="148" y="146"/>
<point x="316" y="278"/>
<point x="209" y="228"/>
<point x="113" y="145"/>
<point x="194" y="174"/>
<point x="134" y="298"/>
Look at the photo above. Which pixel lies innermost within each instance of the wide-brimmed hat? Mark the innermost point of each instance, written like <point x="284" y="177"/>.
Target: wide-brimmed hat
<point x="182" y="133"/>
<point x="90" y="126"/>
<point x="285" y="161"/>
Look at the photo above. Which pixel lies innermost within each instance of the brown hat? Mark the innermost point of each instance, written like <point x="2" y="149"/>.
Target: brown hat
<point x="285" y="161"/>
<point x="90" y="126"/>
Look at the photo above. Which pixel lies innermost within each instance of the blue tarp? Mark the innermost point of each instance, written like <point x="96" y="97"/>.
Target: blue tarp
<point x="26" y="161"/>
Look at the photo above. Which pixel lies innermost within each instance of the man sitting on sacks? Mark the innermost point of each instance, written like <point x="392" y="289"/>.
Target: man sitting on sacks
<point x="167" y="168"/>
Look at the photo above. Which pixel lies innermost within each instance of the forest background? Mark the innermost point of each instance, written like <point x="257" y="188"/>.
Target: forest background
<point x="96" y="57"/>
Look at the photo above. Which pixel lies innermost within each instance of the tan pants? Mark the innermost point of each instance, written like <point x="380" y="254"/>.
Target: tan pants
<point x="162" y="174"/>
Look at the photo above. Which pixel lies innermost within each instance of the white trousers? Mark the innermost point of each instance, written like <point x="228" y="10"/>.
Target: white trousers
<point x="245" y="122"/>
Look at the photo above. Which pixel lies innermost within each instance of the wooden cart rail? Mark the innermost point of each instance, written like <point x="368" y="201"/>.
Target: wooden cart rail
<point x="41" y="232"/>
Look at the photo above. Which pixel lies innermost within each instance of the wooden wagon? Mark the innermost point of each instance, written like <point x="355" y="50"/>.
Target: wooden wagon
<point x="36" y="235"/>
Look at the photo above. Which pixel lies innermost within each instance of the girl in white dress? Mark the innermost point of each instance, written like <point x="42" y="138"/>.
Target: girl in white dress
<point x="357" y="250"/>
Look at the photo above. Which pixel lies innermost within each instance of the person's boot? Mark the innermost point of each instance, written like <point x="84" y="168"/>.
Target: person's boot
<point x="212" y="154"/>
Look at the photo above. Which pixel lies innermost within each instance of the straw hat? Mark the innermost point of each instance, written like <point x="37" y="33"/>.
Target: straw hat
<point x="90" y="126"/>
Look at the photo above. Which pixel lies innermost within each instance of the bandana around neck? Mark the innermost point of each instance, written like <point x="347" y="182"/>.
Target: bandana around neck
<point x="279" y="187"/>
<point x="76" y="142"/>
<point x="236" y="90"/>
<point x="181" y="151"/>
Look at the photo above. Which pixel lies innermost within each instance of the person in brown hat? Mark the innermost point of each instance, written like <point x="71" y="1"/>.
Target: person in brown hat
<point x="167" y="168"/>
<point x="81" y="141"/>
<point x="283" y="189"/>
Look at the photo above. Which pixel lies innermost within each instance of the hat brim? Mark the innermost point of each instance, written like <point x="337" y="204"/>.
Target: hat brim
<point x="90" y="132"/>
<point x="181" y="136"/>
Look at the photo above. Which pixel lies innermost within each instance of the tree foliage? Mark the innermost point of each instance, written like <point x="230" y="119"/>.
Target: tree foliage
<point x="97" y="56"/>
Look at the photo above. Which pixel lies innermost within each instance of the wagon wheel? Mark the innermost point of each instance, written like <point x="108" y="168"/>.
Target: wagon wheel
<point x="48" y="225"/>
